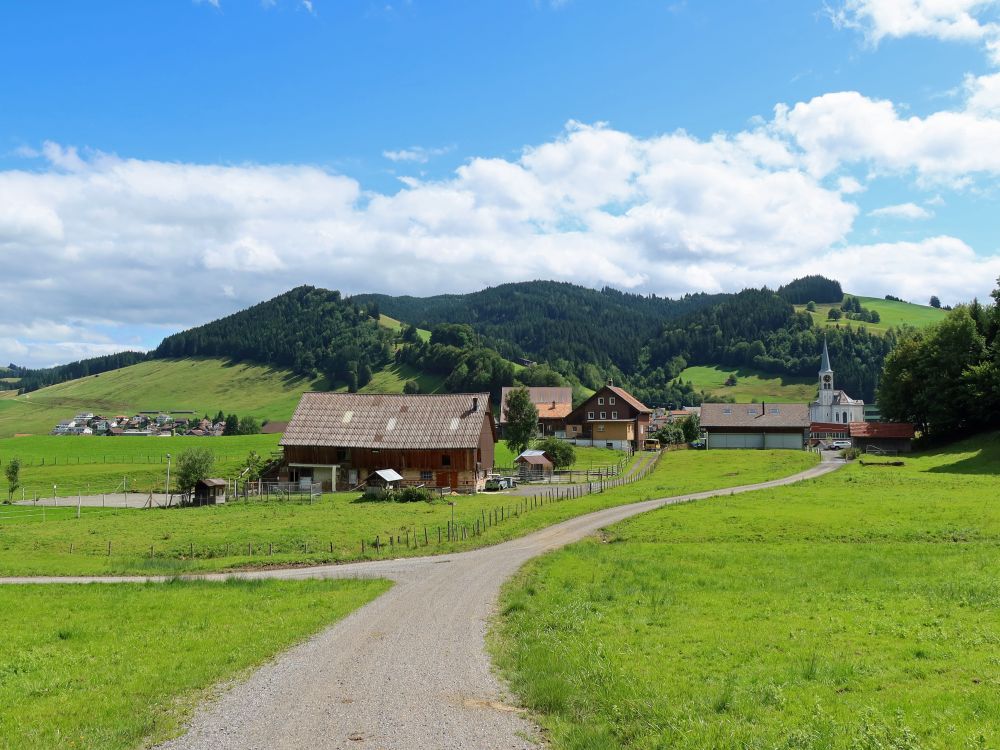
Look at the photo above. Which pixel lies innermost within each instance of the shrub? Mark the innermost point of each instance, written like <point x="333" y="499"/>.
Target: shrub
<point x="563" y="453"/>
<point x="413" y="495"/>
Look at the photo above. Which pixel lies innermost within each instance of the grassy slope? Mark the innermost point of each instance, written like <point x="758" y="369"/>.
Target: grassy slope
<point x="118" y="666"/>
<point x="893" y="314"/>
<point x="751" y="384"/>
<point x="96" y="465"/>
<point x="857" y="611"/>
<point x="587" y="457"/>
<point x="304" y="533"/>
<point x="200" y="385"/>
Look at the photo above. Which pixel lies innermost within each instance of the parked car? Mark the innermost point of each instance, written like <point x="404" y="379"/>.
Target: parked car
<point x="495" y="483"/>
<point x="839" y="445"/>
<point x="698" y="445"/>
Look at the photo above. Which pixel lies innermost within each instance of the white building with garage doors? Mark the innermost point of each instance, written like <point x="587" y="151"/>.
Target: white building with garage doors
<point x="765" y="426"/>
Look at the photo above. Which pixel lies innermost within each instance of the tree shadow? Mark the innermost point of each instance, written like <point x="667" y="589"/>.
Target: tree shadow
<point x="985" y="461"/>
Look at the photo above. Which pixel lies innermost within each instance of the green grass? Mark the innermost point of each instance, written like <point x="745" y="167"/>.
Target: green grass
<point x="96" y="465"/>
<point x="121" y="666"/>
<point x="859" y="611"/>
<point x="395" y="325"/>
<point x="391" y="379"/>
<point x="893" y="314"/>
<point x="287" y="533"/>
<point x="200" y="385"/>
<point x="751" y="385"/>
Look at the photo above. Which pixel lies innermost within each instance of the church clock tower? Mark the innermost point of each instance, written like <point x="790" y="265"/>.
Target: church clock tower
<point x="825" y="379"/>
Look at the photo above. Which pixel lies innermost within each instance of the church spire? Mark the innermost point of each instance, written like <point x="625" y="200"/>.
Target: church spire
<point x="825" y="364"/>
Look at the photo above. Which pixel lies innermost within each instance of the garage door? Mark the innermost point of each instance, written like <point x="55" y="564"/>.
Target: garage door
<point x="784" y="440"/>
<point x="735" y="440"/>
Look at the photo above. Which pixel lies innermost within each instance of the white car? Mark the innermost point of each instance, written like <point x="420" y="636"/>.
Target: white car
<point x="839" y="445"/>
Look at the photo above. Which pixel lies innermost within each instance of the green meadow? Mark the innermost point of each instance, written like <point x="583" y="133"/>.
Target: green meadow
<point x="96" y="465"/>
<point x="587" y="457"/>
<point x="122" y="666"/>
<point x="751" y="385"/>
<point x="260" y="533"/>
<point x="860" y="610"/>
<point x="203" y="386"/>
<point x="892" y="314"/>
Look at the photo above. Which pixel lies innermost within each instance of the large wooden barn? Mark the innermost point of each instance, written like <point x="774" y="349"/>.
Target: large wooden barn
<point x="340" y="439"/>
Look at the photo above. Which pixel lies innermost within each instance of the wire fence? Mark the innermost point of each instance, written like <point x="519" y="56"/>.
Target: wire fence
<point x="410" y="537"/>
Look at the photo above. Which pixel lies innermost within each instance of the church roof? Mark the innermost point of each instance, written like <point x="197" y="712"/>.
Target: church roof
<point x="825" y="364"/>
<point x="842" y="399"/>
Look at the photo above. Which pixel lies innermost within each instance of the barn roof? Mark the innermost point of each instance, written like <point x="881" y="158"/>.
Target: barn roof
<point x="391" y="421"/>
<point x="754" y="415"/>
<point x="897" y="430"/>
<point x="552" y="402"/>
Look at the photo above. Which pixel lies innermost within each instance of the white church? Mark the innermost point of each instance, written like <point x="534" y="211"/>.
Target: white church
<point x="833" y="406"/>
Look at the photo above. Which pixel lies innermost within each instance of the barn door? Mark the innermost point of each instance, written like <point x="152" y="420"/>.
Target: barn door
<point x="454" y="480"/>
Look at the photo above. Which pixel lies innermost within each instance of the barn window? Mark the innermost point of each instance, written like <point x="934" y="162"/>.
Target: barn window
<point x="426" y="476"/>
<point x="341" y="454"/>
<point x="445" y="459"/>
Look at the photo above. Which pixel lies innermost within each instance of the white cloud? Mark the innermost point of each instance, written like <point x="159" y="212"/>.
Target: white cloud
<point x="902" y="211"/>
<point x="952" y="20"/>
<point x="417" y="154"/>
<point x="847" y="128"/>
<point x="138" y="243"/>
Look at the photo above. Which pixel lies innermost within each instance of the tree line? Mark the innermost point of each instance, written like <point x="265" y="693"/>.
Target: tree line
<point x="946" y="378"/>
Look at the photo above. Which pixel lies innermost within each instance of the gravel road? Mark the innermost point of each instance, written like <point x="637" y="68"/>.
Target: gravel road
<point x="409" y="670"/>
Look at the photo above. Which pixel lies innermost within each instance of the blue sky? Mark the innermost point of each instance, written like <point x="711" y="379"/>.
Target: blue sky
<point x="165" y="163"/>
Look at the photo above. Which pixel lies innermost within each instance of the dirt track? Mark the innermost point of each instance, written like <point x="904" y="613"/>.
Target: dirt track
<point x="408" y="670"/>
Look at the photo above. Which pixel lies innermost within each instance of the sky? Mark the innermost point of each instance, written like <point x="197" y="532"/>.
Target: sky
<point x="164" y="164"/>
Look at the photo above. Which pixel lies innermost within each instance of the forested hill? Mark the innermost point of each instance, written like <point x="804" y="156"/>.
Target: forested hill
<point x="556" y="322"/>
<point x="307" y="330"/>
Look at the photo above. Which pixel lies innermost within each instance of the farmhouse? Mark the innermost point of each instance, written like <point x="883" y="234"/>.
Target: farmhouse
<point x="755" y="425"/>
<point x="611" y="418"/>
<point x="433" y="440"/>
<point x="553" y="403"/>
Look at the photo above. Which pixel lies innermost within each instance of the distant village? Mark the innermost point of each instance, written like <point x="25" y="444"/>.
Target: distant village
<point x="156" y="424"/>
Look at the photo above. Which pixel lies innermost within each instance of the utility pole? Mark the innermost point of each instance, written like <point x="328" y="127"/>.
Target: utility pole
<point x="166" y="487"/>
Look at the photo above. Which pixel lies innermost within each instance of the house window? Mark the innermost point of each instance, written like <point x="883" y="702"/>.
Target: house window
<point x="600" y="428"/>
<point x="600" y="401"/>
<point x="604" y="415"/>
<point x="614" y="415"/>
<point x="590" y="415"/>
<point x="426" y="476"/>
<point x="445" y="459"/>
<point x="611" y="400"/>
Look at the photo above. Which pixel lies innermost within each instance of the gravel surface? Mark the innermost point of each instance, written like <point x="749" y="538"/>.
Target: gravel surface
<point x="409" y="670"/>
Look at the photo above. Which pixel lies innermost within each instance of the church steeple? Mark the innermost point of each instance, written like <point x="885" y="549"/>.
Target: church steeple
<point x="825" y="378"/>
<point x="825" y="364"/>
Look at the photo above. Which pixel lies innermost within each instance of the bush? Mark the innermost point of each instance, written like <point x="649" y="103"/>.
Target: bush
<point x="563" y="454"/>
<point x="413" y="495"/>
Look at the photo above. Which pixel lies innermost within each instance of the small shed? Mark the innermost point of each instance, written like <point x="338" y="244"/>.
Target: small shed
<point x="879" y="437"/>
<point x="210" y="491"/>
<point x="382" y="482"/>
<point x="534" y="465"/>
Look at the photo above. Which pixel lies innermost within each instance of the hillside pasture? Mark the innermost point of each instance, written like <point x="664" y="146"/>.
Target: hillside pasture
<point x="119" y="667"/>
<point x="203" y="386"/>
<point x="94" y="465"/>
<point x="857" y="610"/>
<point x="892" y="314"/>
<point x="261" y="533"/>
<point x="751" y="385"/>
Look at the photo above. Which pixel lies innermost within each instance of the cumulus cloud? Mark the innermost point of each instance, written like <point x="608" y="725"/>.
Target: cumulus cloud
<point x="902" y="211"/>
<point x="135" y="243"/>
<point x="417" y="154"/>
<point x="954" y="20"/>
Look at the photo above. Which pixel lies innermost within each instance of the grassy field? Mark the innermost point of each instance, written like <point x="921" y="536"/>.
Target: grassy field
<point x="95" y="465"/>
<point x="117" y="667"/>
<point x="893" y="314"/>
<point x="751" y="384"/>
<point x="203" y="386"/>
<point x="857" y="611"/>
<point x="217" y="537"/>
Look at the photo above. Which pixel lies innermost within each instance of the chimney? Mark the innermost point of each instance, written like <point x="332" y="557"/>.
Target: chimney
<point x="553" y="403"/>
<point x="475" y="403"/>
<point x="611" y="381"/>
